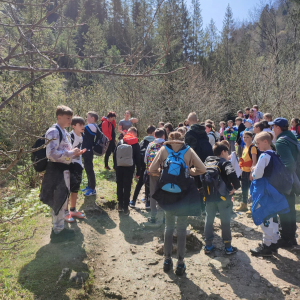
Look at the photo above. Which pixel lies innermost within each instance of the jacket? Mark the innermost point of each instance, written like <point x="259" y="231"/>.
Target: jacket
<point x="241" y="128"/>
<point x="287" y="150"/>
<point x="108" y="128"/>
<point x="89" y="135"/>
<point x="230" y="134"/>
<point x="136" y="155"/>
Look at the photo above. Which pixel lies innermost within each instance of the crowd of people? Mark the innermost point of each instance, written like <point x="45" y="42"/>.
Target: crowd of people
<point x="190" y="170"/>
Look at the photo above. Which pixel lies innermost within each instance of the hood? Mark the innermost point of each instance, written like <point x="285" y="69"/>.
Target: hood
<point x="130" y="139"/>
<point x="176" y="145"/>
<point x="149" y="138"/>
<point x="198" y="128"/>
<point x="287" y="133"/>
<point x="103" y="119"/>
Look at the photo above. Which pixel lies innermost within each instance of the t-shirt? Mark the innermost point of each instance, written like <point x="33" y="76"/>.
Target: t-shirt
<point x="246" y="157"/>
<point x="125" y="124"/>
<point x="77" y="143"/>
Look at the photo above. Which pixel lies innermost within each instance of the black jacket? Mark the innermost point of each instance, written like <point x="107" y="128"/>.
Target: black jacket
<point x="88" y="138"/>
<point x="241" y="128"/>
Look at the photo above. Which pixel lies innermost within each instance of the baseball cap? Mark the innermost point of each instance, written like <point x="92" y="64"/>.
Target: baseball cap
<point x="249" y="121"/>
<point x="281" y="122"/>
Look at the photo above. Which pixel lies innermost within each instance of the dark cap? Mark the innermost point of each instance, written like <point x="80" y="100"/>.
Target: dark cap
<point x="281" y="122"/>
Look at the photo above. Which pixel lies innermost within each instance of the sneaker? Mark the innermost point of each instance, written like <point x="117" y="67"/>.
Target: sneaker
<point x="273" y="247"/>
<point x="126" y="211"/>
<point x="168" y="264"/>
<point x="180" y="269"/>
<point x="262" y="250"/>
<point x="107" y="168"/>
<point x="242" y="207"/>
<point x="85" y="189"/>
<point x="120" y="208"/>
<point x="147" y="205"/>
<point x="143" y="200"/>
<point x="77" y="214"/>
<point x="230" y="250"/>
<point x="209" y="249"/>
<point x="249" y="212"/>
<point x="64" y="236"/>
<point x="90" y="192"/>
<point x="281" y="243"/>
<point x="132" y="204"/>
<point x="152" y="220"/>
<point x="68" y="218"/>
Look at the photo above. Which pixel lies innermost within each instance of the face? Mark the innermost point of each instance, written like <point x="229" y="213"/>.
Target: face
<point x="64" y="120"/>
<point x="247" y="112"/>
<point x="251" y="112"/>
<point x="248" y="125"/>
<point x="256" y="129"/>
<point x="221" y="125"/>
<point x="90" y="119"/>
<point x="262" y="145"/>
<point x="207" y="129"/>
<point x="293" y="123"/>
<point x="247" y="139"/>
<point x="267" y="119"/>
<point x="110" y="119"/>
<point x="238" y="123"/>
<point x="78" y="128"/>
<point x="240" y="115"/>
<point x="277" y="130"/>
<point x="160" y="126"/>
<point x="230" y="124"/>
<point x="127" y="115"/>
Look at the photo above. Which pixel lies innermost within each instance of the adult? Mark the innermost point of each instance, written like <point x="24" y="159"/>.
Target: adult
<point x="108" y="128"/>
<point x="210" y="133"/>
<point x="126" y="123"/>
<point x="288" y="154"/>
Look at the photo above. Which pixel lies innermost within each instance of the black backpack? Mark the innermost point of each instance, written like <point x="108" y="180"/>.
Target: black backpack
<point x="143" y="147"/>
<point x="258" y="152"/>
<point x="204" y="148"/>
<point x="39" y="157"/>
<point x="101" y="142"/>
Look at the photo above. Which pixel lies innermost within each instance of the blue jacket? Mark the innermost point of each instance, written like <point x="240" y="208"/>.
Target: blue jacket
<point x="267" y="201"/>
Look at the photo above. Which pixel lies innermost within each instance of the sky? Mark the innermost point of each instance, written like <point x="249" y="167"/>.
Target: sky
<point x="215" y="9"/>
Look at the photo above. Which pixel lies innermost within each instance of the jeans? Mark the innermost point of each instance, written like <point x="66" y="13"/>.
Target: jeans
<point x="124" y="182"/>
<point x="231" y="146"/>
<point x="245" y="185"/>
<point x="153" y="182"/>
<point x="109" y="151"/>
<point x="224" y="208"/>
<point x="89" y="169"/>
<point x="181" y="235"/>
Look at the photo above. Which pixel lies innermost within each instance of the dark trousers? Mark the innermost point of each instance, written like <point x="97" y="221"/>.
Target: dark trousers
<point x="89" y="168"/>
<point x="139" y="186"/>
<point x="109" y="151"/>
<point x="245" y="185"/>
<point x="124" y="181"/>
<point x="288" y="221"/>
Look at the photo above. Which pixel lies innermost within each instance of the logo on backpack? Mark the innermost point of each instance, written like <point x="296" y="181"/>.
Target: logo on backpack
<point x="124" y="155"/>
<point x="174" y="175"/>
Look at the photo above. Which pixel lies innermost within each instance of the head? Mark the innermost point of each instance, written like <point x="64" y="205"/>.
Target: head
<point x="151" y="130"/>
<point x="78" y="125"/>
<point x="222" y="124"/>
<point x="169" y="128"/>
<point x="192" y="118"/>
<point x="247" y="137"/>
<point x="132" y="131"/>
<point x="208" y="128"/>
<point x="209" y="121"/>
<point x="226" y="143"/>
<point x="159" y="133"/>
<point x="182" y="130"/>
<point x="268" y="117"/>
<point x="240" y="114"/>
<point x="258" y="127"/>
<point x="230" y="123"/>
<point x="186" y="122"/>
<point x="294" y="122"/>
<point x="255" y="107"/>
<point x="221" y="150"/>
<point x="180" y="124"/>
<point x="127" y="115"/>
<point x="92" y="117"/>
<point x="248" y="123"/>
<point x="175" y="136"/>
<point x="266" y="124"/>
<point x="238" y="121"/>
<point x="247" y="110"/>
<point x="111" y="116"/>
<point x="280" y="125"/>
<point x="264" y="141"/>
<point x="161" y="124"/>
<point x="252" y="112"/>
<point x="64" y="116"/>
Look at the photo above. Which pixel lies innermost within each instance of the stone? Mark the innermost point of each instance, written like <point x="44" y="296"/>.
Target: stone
<point x="256" y="277"/>
<point x="110" y="279"/>
<point x="237" y="234"/>
<point x="286" y="290"/>
<point x="152" y="288"/>
<point x="152" y="262"/>
<point x="113" y="294"/>
<point x="248" y="229"/>
<point x="219" y="262"/>
<point x="79" y="277"/>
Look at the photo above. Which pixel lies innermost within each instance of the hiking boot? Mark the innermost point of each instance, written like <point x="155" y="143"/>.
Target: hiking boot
<point x="120" y="208"/>
<point x="242" y="207"/>
<point x="132" y="204"/>
<point x="180" y="269"/>
<point x="262" y="250"/>
<point x="68" y="218"/>
<point x="294" y="242"/>
<point x="64" y="236"/>
<point x="281" y="243"/>
<point x="209" y="249"/>
<point x="77" y="214"/>
<point x="152" y="220"/>
<point x="273" y="247"/>
<point x="249" y="212"/>
<point x="147" y="205"/>
<point x="168" y="264"/>
<point x="85" y="189"/>
<point x="107" y="168"/>
<point x="230" y="250"/>
<point x="126" y="211"/>
<point x="90" y="192"/>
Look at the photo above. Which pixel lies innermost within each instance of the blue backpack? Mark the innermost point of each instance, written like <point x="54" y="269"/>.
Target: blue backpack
<point x="174" y="178"/>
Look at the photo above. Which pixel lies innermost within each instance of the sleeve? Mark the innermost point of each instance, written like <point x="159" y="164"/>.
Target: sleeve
<point x="105" y="130"/>
<point x="157" y="162"/>
<point x="259" y="169"/>
<point x="286" y="155"/>
<point x="52" y="151"/>
<point x="253" y="150"/>
<point x="198" y="166"/>
<point x="146" y="154"/>
<point x="225" y="134"/>
<point x="137" y="159"/>
<point x="231" y="175"/>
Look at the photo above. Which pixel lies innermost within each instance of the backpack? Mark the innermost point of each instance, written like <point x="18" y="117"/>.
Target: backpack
<point x="278" y="175"/>
<point x="39" y="158"/>
<point x="204" y="148"/>
<point x="153" y="149"/>
<point x="214" y="187"/>
<point x="143" y="147"/>
<point x="124" y="155"/>
<point x="258" y="152"/>
<point x="173" y="178"/>
<point x="214" y="135"/>
<point x="101" y="142"/>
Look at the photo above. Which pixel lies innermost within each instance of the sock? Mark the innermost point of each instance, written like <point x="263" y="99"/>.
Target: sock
<point x="72" y="208"/>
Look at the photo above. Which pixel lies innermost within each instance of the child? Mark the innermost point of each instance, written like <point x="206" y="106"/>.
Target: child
<point x="241" y="127"/>
<point x="259" y="115"/>
<point x="75" y="169"/>
<point x="247" y="112"/>
<point x="222" y="129"/>
<point x="126" y="157"/>
<point x="295" y="128"/>
<point x="268" y="117"/>
<point x="240" y="114"/>
<point x="230" y="135"/>
<point x="90" y="131"/>
<point x="143" y="146"/>
<point x="220" y="202"/>
<point x="249" y="125"/>
<point x="211" y="134"/>
<point x="258" y="127"/>
<point x="56" y="182"/>
<point x="248" y="159"/>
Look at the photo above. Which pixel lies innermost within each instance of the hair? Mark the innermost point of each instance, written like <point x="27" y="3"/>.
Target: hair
<point x="226" y="143"/>
<point x="193" y="117"/>
<point x="252" y="109"/>
<point x="239" y="119"/>
<point x="266" y="124"/>
<point x="133" y="129"/>
<point x="175" y="136"/>
<point x="209" y="121"/>
<point x="63" y="110"/>
<point x="223" y="122"/>
<point x="219" y="147"/>
<point x="111" y="114"/>
<point x="268" y="116"/>
<point x="247" y="108"/>
<point x="182" y="130"/>
<point x="208" y="125"/>
<point x="248" y="133"/>
<point x="180" y="124"/>
<point x="161" y="123"/>
<point x="185" y="123"/>
<point x="230" y="121"/>
<point x="285" y="128"/>
<point x="159" y="133"/>
<point x="76" y="120"/>
<point x="94" y="115"/>
<point x="240" y="112"/>
<point x="296" y="120"/>
<point x="260" y="125"/>
<point x="169" y="126"/>
<point x="151" y="129"/>
<point x="265" y="136"/>
<point x="127" y="111"/>
<point x="255" y="106"/>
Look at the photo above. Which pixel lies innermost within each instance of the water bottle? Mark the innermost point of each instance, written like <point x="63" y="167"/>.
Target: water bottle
<point x="187" y="173"/>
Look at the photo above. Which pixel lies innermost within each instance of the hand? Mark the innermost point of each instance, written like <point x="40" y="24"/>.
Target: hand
<point x="136" y="177"/>
<point x="232" y="192"/>
<point x="76" y="152"/>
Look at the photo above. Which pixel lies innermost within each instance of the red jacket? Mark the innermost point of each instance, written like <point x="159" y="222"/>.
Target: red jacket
<point x="108" y="127"/>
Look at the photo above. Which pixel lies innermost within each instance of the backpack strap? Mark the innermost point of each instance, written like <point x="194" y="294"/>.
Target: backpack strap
<point x="60" y="133"/>
<point x="290" y="140"/>
<point x="89" y="130"/>
<point x="72" y="138"/>
<point x="249" y="151"/>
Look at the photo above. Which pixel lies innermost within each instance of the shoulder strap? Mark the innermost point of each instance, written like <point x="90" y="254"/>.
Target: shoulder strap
<point x="89" y="130"/>
<point x="60" y="133"/>
<point x="249" y="151"/>
<point x="290" y="140"/>
<point x="72" y="138"/>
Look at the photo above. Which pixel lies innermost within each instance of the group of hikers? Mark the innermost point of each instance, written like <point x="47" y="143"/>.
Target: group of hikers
<point x="187" y="171"/>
